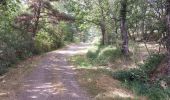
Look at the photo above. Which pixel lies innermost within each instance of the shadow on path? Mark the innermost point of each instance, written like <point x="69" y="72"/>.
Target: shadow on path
<point x="54" y="78"/>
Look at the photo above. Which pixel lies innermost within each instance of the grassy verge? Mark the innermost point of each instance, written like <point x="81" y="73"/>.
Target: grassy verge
<point x="96" y="73"/>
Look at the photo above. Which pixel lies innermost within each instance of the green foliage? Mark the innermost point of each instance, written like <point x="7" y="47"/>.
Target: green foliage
<point x="131" y="75"/>
<point x="143" y="72"/>
<point x="43" y="42"/>
<point x="92" y="55"/>
<point x="17" y="43"/>
<point x="103" y="55"/>
<point x="67" y="31"/>
<point x="109" y="55"/>
<point x="98" y="56"/>
<point x="152" y="62"/>
<point x="81" y="61"/>
<point x="152" y="91"/>
<point x="14" y="45"/>
<point x="138" y="79"/>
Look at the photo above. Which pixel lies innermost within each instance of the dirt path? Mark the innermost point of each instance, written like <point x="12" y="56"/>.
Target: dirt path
<point x="54" y="78"/>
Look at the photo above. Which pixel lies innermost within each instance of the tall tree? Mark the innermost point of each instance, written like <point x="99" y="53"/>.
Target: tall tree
<point x="168" y="24"/>
<point x="41" y="9"/>
<point x="168" y="32"/>
<point x="37" y="11"/>
<point x="93" y="12"/>
<point x="102" y="24"/>
<point x="123" y="27"/>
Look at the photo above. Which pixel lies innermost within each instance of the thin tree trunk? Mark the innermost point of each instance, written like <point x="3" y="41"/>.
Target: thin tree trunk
<point x="125" y="47"/>
<point x="168" y="32"/>
<point x="37" y="17"/>
<point x="168" y="25"/>
<point x="103" y="30"/>
<point x="36" y="24"/>
<point x="103" y="25"/>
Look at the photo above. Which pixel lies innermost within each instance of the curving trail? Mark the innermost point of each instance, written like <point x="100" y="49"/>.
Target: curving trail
<point x="54" y="78"/>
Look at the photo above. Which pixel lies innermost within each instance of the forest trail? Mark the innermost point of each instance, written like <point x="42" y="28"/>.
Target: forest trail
<point x="54" y="78"/>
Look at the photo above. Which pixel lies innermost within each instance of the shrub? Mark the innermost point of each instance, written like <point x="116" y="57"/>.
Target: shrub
<point x="80" y="61"/>
<point x="152" y="62"/>
<point x="108" y="55"/>
<point x="138" y="79"/>
<point x="131" y="75"/>
<point x="13" y="47"/>
<point x="43" y="42"/>
<point x="91" y="55"/>
<point x="3" y="67"/>
<point x="104" y="55"/>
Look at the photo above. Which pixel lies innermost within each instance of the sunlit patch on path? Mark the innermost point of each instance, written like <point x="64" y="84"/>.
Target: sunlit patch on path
<point x="54" y="78"/>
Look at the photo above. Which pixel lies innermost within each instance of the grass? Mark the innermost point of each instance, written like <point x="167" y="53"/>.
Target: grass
<point x="152" y="91"/>
<point x="135" y="81"/>
<point x="81" y="61"/>
<point x="99" y="83"/>
<point x="103" y="55"/>
<point x="88" y="79"/>
<point x="95" y="76"/>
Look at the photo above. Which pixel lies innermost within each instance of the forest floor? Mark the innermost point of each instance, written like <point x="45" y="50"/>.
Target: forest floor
<point x="45" y="77"/>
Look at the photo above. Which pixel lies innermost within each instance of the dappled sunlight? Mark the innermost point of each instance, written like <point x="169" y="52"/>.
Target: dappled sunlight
<point x="120" y="93"/>
<point x="72" y="52"/>
<point x="74" y="49"/>
<point x="114" y="95"/>
<point x="34" y="97"/>
<point x="54" y="78"/>
<point x="84" y="49"/>
<point x="3" y="94"/>
<point x="47" y="90"/>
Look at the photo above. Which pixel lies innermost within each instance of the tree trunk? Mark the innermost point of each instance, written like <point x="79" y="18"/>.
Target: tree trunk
<point x="168" y="32"/>
<point x="144" y="35"/>
<point x="103" y="24"/>
<point x="124" y="33"/>
<point x="168" y="25"/>
<point x="104" y="36"/>
<point x="36" y="24"/>
<point x="37" y="17"/>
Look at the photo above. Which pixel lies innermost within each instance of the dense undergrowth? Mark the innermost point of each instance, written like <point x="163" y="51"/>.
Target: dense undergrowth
<point x="103" y="55"/>
<point x="98" y="55"/>
<point x="138" y="79"/>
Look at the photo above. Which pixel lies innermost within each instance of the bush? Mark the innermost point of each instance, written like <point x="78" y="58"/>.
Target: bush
<point x="13" y="47"/>
<point x="80" y="61"/>
<point x="103" y="55"/>
<point x="92" y="55"/>
<point x="131" y="75"/>
<point x="16" y="41"/>
<point x="138" y="79"/>
<point x="108" y="55"/>
<point x="152" y="62"/>
<point x="43" y="42"/>
<point x="152" y="91"/>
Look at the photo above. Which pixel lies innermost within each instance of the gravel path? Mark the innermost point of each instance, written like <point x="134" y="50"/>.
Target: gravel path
<point x="54" y="78"/>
